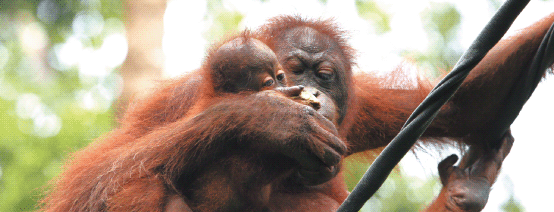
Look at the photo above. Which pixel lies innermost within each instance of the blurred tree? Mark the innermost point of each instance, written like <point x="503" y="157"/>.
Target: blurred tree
<point x="144" y="63"/>
<point x="441" y="21"/>
<point x="378" y="17"/>
<point x="398" y="193"/>
<point x="224" y="21"/>
<point x="57" y="85"/>
<point x="512" y="205"/>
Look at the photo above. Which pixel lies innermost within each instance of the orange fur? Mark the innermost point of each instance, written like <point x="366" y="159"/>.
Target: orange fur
<point x="184" y="129"/>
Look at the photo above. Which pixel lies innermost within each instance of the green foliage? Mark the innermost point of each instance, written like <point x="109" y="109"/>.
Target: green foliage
<point x="370" y="11"/>
<point x="441" y="21"/>
<point x="224" y="22"/>
<point x="398" y="193"/>
<point x="442" y="18"/>
<point x="512" y="205"/>
<point x="43" y="106"/>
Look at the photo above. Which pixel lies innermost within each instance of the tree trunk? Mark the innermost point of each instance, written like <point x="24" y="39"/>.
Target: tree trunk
<point x="145" y="59"/>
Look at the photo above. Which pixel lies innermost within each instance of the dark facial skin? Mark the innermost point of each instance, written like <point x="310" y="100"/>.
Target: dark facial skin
<point x="246" y="65"/>
<point x="313" y="60"/>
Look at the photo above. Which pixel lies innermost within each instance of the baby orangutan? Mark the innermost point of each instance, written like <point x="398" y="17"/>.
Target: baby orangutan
<point x="242" y="180"/>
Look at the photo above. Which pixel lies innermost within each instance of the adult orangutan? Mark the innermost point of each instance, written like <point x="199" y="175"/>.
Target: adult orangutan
<point x="168" y="141"/>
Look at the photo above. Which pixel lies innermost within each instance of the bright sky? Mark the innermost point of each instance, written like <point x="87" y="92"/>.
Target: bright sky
<point x="523" y="171"/>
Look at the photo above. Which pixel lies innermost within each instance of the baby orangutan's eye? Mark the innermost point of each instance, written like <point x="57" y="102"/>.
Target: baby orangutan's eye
<point x="268" y="81"/>
<point x="281" y="77"/>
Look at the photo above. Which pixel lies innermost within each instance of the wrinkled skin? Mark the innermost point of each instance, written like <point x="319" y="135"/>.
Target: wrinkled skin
<point x="313" y="60"/>
<point x="466" y="187"/>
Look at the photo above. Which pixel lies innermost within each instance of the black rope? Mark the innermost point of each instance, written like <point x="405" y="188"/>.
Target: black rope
<point x="423" y="115"/>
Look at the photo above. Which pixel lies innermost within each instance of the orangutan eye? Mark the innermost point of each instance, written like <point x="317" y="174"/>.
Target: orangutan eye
<point x="325" y="73"/>
<point x="268" y="82"/>
<point x="280" y="75"/>
<point x="295" y="66"/>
